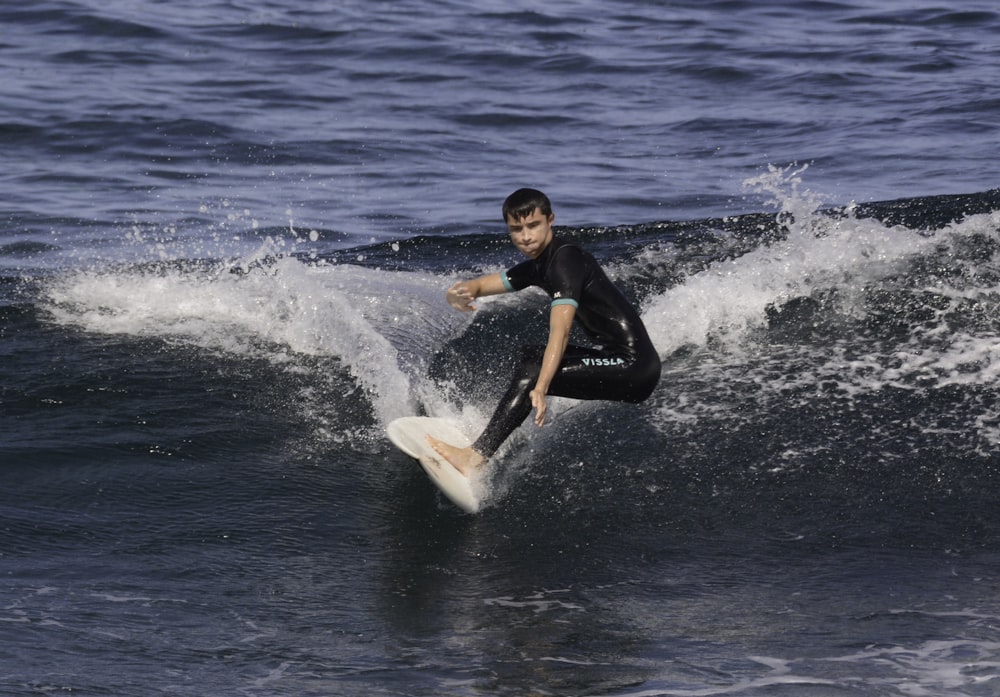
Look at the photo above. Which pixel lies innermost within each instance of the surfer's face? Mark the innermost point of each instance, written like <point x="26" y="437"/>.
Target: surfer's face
<point x="532" y="233"/>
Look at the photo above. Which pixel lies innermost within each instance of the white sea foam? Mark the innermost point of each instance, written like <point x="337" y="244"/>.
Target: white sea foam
<point x="381" y="326"/>
<point x="385" y="326"/>
<point x="928" y="668"/>
<point x="866" y="274"/>
<point x="731" y="297"/>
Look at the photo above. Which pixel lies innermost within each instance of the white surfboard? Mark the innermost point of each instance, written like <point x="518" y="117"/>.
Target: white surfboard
<point x="409" y="435"/>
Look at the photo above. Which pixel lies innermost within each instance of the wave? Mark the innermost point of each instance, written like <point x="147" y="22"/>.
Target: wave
<point x="860" y="266"/>
<point x="901" y="294"/>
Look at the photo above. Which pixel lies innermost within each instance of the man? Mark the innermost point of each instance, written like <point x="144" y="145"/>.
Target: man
<point x="623" y="366"/>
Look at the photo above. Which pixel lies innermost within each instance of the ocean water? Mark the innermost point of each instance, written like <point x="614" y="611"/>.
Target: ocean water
<point x="225" y="232"/>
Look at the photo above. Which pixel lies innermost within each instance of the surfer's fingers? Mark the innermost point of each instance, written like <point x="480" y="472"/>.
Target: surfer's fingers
<point x="538" y="402"/>
<point x="460" y="297"/>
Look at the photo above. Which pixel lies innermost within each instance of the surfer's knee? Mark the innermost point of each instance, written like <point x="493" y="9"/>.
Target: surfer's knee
<point x="529" y="365"/>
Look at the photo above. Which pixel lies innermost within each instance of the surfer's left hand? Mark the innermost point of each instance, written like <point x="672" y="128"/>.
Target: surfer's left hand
<point x="540" y="406"/>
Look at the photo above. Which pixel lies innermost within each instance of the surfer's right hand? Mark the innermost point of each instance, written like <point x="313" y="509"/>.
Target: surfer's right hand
<point x="460" y="297"/>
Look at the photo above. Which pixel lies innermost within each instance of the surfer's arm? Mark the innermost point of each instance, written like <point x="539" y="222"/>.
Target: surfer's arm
<point x="560" y="321"/>
<point x="463" y="294"/>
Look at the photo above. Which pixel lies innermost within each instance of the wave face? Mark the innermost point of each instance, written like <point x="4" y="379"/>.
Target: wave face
<point x="838" y="341"/>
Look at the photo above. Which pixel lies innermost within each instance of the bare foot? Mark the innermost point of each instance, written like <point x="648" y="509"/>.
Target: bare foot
<point x="465" y="460"/>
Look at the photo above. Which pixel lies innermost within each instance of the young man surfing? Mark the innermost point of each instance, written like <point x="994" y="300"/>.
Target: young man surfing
<point x="622" y="366"/>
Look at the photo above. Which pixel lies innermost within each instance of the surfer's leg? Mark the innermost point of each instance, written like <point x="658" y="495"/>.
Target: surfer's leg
<point x="593" y="374"/>
<point x="512" y="410"/>
<point x="583" y="374"/>
<point x="515" y="405"/>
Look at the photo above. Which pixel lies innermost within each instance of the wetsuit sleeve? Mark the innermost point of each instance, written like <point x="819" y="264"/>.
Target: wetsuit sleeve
<point x="568" y="274"/>
<point x="520" y="277"/>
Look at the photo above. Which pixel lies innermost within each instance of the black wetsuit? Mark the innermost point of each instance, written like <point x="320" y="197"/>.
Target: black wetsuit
<point x="623" y="366"/>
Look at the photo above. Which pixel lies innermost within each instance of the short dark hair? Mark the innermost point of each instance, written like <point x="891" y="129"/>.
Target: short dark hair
<point x="523" y="203"/>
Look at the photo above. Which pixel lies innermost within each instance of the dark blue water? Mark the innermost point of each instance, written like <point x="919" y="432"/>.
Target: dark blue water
<point x="225" y="233"/>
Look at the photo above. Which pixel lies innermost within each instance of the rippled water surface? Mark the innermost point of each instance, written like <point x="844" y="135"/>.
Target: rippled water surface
<point x="225" y="232"/>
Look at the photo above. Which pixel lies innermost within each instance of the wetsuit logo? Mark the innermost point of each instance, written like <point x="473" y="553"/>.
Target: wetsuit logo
<point x="604" y="361"/>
